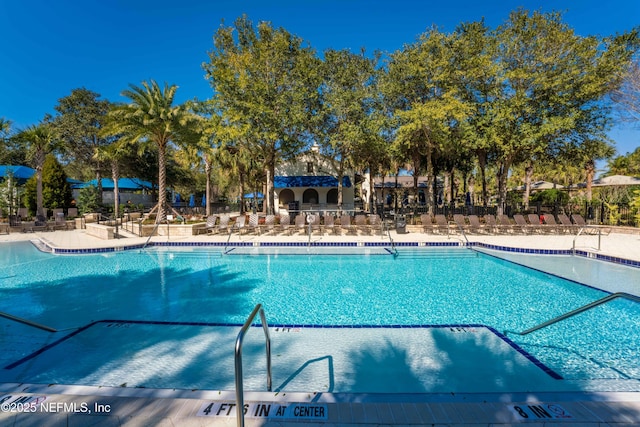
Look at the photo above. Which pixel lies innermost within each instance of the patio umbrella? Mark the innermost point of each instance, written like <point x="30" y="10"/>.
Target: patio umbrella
<point x="204" y="201"/>
<point x="192" y="201"/>
<point x="178" y="200"/>
<point x="257" y="195"/>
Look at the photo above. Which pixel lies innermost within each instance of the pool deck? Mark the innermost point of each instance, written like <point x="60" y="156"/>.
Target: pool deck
<point x="103" y="406"/>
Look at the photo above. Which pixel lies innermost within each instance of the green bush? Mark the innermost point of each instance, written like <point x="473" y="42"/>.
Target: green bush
<point x="550" y="197"/>
<point x="89" y="200"/>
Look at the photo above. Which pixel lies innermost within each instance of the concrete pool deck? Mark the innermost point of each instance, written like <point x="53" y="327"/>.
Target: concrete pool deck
<point x="70" y="405"/>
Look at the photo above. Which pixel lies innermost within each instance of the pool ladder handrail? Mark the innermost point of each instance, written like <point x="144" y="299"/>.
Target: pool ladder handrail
<point x="27" y="322"/>
<point x="578" y="311"/>
<point x="153" y="232"/>
<point x="238" y="360"/>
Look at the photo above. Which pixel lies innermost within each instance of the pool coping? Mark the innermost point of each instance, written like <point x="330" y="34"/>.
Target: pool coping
<point x="45" y="246"/>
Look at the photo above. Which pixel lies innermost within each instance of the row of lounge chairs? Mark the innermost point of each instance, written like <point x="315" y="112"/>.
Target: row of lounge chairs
<point x="502" y="224"/>
<point x="302" y="224"/>
<point x="39" y="224"/>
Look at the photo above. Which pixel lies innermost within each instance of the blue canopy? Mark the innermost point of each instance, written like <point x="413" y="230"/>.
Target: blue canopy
<point x="192" y="201"/>
<point x="204" y="201"/>
<point x="257" y="195"/>
<point x="21" y="173"/>
<point x="309" y="181"/>
<point x="123" y="184"/>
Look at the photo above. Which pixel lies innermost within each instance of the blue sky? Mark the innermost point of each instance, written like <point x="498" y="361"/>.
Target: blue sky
<point x="52" y="47"/>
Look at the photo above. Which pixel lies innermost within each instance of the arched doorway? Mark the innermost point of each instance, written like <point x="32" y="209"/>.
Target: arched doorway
<point x="286" y="196"/>
<point x="310" y="196"/>
<point x="332" y="196"/>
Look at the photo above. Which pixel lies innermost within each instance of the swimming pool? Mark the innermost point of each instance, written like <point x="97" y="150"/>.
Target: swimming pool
<point x="394" y="307"/>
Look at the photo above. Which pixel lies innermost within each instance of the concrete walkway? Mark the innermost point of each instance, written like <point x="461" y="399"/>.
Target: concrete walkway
<point x="623" y="245"/>
<point x="58" y="405"/>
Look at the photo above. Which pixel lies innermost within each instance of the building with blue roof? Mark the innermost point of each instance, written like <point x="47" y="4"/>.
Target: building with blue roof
<point x="310" y="183"/>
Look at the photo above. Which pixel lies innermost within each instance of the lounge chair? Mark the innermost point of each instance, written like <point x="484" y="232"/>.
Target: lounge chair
<point x="15" y="221"/>
<point x="210" y="226"/>
<point x="442" y="225"/>
<point x="361" y="224"/>
<point x="566" y="223"/>
<point x="521" y="224"/>
<point x="254" y="223"/>
<point x="492" y="224"/>
<point x="329" y="223"/>
<point x="301" y="223"/>
<point x="269" y="223"/>
<point x="57" y="211"/>
<point x="460" y="222"/>
<point x="345" y="224"/>
<point x="581" y="224"/>
<point x="316" y="223"/>
<point x="240" y="224"/>
<point x="40" y="224"/>
<point x="72" y="212"/>
<point x="285" y="223"/>
<point x="551" y="226"/>
<point x="505" y="224"/>
<point x="375" y="223"/>
<point x="578" y="220"/>
<point x="223" y="225"/>
<point x="427" y="223"/>
<point x="60" y="223"/>
<point x="535" y="223"/>
<point x="475" y="227"/>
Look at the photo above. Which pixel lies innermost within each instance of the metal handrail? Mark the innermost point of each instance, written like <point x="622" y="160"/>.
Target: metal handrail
<point x="385" y="226"/>
<point x="27" y="322"/>
<point x="238" y="359"/>
<point x="578" y="311"/>
<point x="152" y="233"/>
<point x="463" y="233"/>
<point x="580" y="232"/>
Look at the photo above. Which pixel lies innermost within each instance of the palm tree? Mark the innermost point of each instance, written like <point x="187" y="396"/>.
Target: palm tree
<point x="39" y="140"/>
<point x="5" y="126"/>
<point x="151" y="118"/>
<point x="113" y="153"/>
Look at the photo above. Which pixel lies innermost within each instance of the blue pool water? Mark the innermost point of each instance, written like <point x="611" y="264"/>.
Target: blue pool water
<point x="419" y="287"/>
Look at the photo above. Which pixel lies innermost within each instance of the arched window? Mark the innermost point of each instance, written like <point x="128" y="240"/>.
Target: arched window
<point x="286" y="196"/>
<point x="310" y="196"/>
<point x="332" y="196"/>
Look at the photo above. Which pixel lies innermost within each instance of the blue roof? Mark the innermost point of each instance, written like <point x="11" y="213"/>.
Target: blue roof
<point x="309" y="181"/>
<point x="18" y="172"/>
<point x="123" y="184"/>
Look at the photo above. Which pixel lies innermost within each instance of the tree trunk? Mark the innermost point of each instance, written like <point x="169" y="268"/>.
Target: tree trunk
<point x="207" y="171"/>
<point x="528" y="174"/>
<point x="162" y="177"/>
<point x="482" y="162"/>
<point x="501" y="176"/>
<point x="269" y="196"/>
<point x="115" y="173"/>
<point x="590" y="169"/>
<point x="431" y="181"/>
<point x="452" y="184"/>
<point x="39" y="197"/>
<point x="99" y="181"/>
<point x="371" y="192"/>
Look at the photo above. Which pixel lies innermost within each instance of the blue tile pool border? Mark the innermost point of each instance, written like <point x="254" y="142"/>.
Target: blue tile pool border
<point x="44" y="245"/>
<point x="500" y="335"/>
